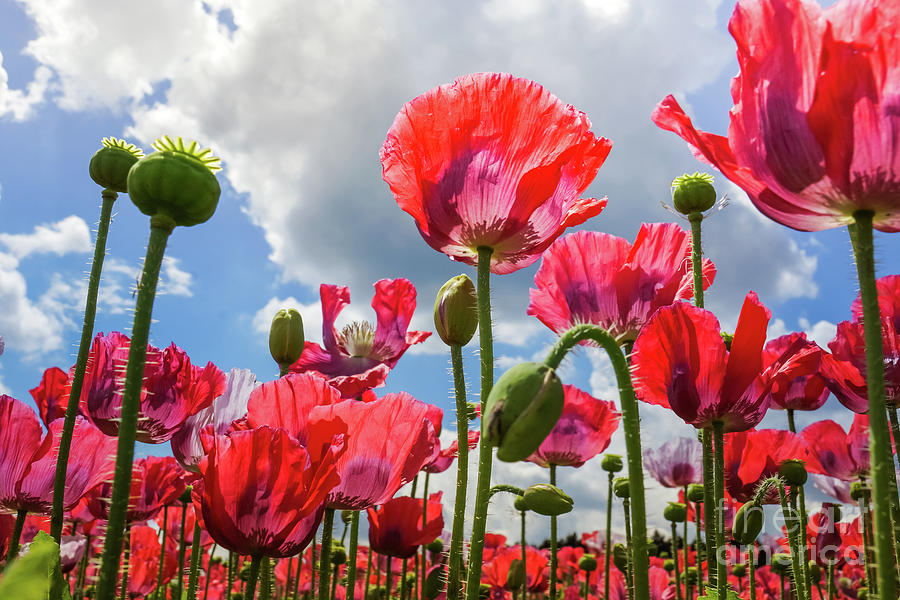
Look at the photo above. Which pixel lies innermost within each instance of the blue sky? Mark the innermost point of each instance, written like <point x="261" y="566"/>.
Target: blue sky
<point x="297" y="100"/>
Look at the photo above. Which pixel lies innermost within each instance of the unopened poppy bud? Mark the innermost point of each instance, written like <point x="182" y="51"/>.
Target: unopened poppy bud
<point x="669" y="565"/>
<point x="434" y="583"/>
<point x="793" y="472"/>
<point x="522" y="409"/>
<point x="781" y="563"/>
<point x="621" y="487"/>
<point x="691" y="575"/>
<point x="693" y="193"/>
<point x="748" y="524"/>
<point x="814" y="570"/>
<point x="587" y="562"/>
<point x="286" y="338"/>
<point x="176" y="185"/>
<point x="338" y="554"/>
<point x="519" y="504"/>
<point x="739" y="570"/>
<point x="611" y="463"/>
<point x="695" y="492"/>
<point x="727" y="338"/>
<point x="471" y="411"/>
<point x="548" y="500"/>
<point x="346" y="516"/>
<point x="676" y="512"/>
<point x="516" y="575"/>
<point x="620" y="557"/>
<point x="859" y="490"/>
<point x="435" y="546"/>
<point x="845" y="584"/>
<point x="456" y="311"/>
<point x="110" y="164"/>
<point x="185" y="496"/>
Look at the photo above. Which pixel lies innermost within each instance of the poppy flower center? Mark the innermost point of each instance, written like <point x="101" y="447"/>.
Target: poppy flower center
<point x="357" y="338"/>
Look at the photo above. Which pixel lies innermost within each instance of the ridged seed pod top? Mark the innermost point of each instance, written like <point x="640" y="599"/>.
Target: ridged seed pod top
<point x="177" y="183"/>
<point x="110" y="164"/>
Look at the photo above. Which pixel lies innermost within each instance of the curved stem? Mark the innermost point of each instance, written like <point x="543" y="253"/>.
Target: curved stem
<point x="254" y="575"/>
<point x="608" y="552"/>
<point x="485" y="452"/>
<point x="879" y="437"/>
<point x="462" y="473"/>
<point x="84" y="349"/>
<point x="162" y="551"/>
<point x="325" y="559"/>
<point x="131" y="397"/>
<point x="82" y="570"/>
<point x="553" y="559"/>
<point x="354" y="541"/>
<point x="16" y="536"/>
<point x="791" y="425"/>
<point x="675" y="557"/>
<point x="719" y="552"/>
<point x="194" y="576"/>
<point x="632" y="426"/>
<point x="502" y="487"/>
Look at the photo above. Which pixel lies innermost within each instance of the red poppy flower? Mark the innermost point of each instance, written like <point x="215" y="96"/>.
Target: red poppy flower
<point x="676" y="463"/>
<point x="445" y="457"/>
<point x="680" y="362"/>
<point x="496" y="570"/>
<point x="260" y="485"/>
<point x="287" y="402"/>
<point x="143" y="563"/>
<point x="173" y="388"/>
<point x="582" y="432"/>
<point x="388" y="442"/>
<point x="813" y="130"/>
<point x="593" y="277"/>
<point x="494" y="161"/>
<point x="395" y="529"/>
<point x="807" y="390"/>
<point x="841" y="455"/>
<point x="156" y="481"/>
<point x="751" y="456"/>
<point x="51" y="395"/>
<point x="360" y="356"/>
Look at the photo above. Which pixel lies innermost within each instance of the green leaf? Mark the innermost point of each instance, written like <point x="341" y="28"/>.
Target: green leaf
<point x="713" y="594"/>
<point x="37" y="574"/>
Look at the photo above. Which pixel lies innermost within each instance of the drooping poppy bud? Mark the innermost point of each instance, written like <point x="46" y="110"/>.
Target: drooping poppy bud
<point x="519" y="504"/>
<point x="676" y="512"/>
<point x="547" y="500"/>
<point x="860" y="490"/>
<point x="286" y="337"/>
<point x="522" y="408"/>
<point x="793" y="472"/>
<point x="456" y="311"/>
<point x="748" y="524"/>
<point x="669" y="565"/>
<point x="516" y="574"/>
<point x="695" y="492"/>
<point x="621" y="487"/>
<point x="176" y="184"/>
<point x="338" y="554"/>
<point x="620" y="557"/>
<point x="739" y="570"/>
<point x="436" y="546"/>
<point x="110" y="164"/>
<point x="693" y="193"/>
<point x="611" y="463"/>
<point x="781" y="563"/>
<point x="435" y="582"/>
<point x="587" y="562"/>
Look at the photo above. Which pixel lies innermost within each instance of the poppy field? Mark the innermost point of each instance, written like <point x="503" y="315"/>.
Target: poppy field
<point x="259" y="486"/>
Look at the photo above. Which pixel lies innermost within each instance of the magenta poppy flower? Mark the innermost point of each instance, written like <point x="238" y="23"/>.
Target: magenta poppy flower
<point x="359" y="357"/>
<point x="446" y="456"/>
<point x="287" y="402"/>
<point x="842" y="455"/>
<point x="676" y="463"/>
<point x="680" y="362"/>
<point x="807" y="390"/>
<point x="52" y="395"/>
<point x="395" y="529"/>
<point x="388" y="442"/>
<point x="495" y="161"/>
<point x="582" y="432"/>
<point x="593" y="277"/>
<point x="812" y="137"/>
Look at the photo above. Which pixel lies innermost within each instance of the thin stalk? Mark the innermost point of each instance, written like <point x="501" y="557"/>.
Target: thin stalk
<point x="587" y="583"/>
<point x="325" y="559"/>
<point x="297" y="577"/>
<point x="208" y="572"/>
<point x="131" y="397"/>
<point x="230" y="579"/>
<point x="790" y="416"/>
<point x="354" y="541"/>
<point x="162" y="550"/>
<point x="699" y="549"/>
<point x="867" y="539"/>
<point x="194" y="577"/>
<point x="719" y="553"/>
<point x="462" y="473"/>
<point x="387" y="578"/>
<point x="781" y="589"/>
<point x="675" y="557"/>
<point x="84" y="349"/>
<point x="254" y="575"/>
<point x="334" y="581"/>
<point x="882" y="470"/>
<point x="182" y="549"/>
<point x="265" y="579"/>
<point x="524" y="563"/>
<point x="829" y="570"/>
<point x="123" y="591"/>
<point x="688" y="592"/>
<point x="801" y="506"/>
<point x="793" y="527"/>
<point x="16" y="536"/>
<point x="553" y="558"/>
<point x="751" y="570"/>
<point x="709" y="506"/>
<point x="312" y="580"/>
<point x="485" y="454"/>
<point x="368" y="574"/>
<point x="82" y="571"/>
<point x="696" y="219"/>
<point x="287" y="580"/>
<point x="608" y="552"/>
<point x="629" y="540"/>
<point x="632" y="426"/>
<point x="403" y="587"/>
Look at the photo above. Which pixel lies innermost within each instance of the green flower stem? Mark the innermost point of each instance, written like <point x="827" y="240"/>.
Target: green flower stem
<point x="587" y="584"/>
<point x="82" y="570"/>
<point x="485" y="452"/>
<point x="126" y="552"/>
<point x="751" y="570"/>
<point x="334" y="579"/>
<point x="867" y="538"/>
<point x="354" y="542"/>
<point x="403" y="587"/>
<point x="502" y="487"/>
<point x="230" y="576"/>
<point x="368" y="575"/>
<point x="781" y="588"/>
<point x="325" y="559"/>
<point x="883" y="497"/>
<point x="84" y="349"/>
<point x="209" y="572"/>
<point x="553" y="558"/>
<point x="696" y="218"/>
<point x="632" y="426"/>
<point x="182" y="549"/>
<point x="709" y="511"/>
<point x="255" y="562"/>
<point x="420" y="568"/>
<point x="793" y="526"/>
<point x="608" y="551"/>
<point x="801" y="506"/>
<point x="287" y="580"/>
<point x="675" y="558"/>
<point x="162" y="552"/>
<point x="688" y="592"/>
<point x="791" y="425"/>
<point x="312" y="578"/>
<point x="194" y="577"/>
<point x="131" y="398"/>
<point x="13" y="550"/>
<point x="524" y="561"/>
<point x="387" y="578"/>
<point x="462" y="473"/>
<point x="719" y="550"/>
<point x="700" y="551"/>
<point x="629" y="542"/>
<point x="829" y="570"/>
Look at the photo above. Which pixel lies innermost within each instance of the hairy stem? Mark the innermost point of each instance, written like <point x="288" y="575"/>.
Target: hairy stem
<point x="462" y="473"/>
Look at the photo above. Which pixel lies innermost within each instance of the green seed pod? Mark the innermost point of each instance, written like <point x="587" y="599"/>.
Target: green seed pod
<point x="695" y="492"/>
<point x="693" y="193"/>
<point x="845" y="584"/>
<point x="456" y="311"/>
<point x="781" y="563"/>
<point x="175" y="185"/>
<point x="110" y="164"/>
<point x="621" y="487"/>
<point x="793" y="472"/>
<point x="748" y="524"/>
<point x="522" y="408"/>
<point x="434" y="583"/>
<point x="669" y="565"/>
<point x="338" y="554"/>
<point x="739" y="570"/>
<point x="860" y="490"/>
<point x="548" y="500"/>
<point x="676" y="512"/>
<point x="611" y="463"/>
<point x="516" y="575"/>
<point x="436" y="546"/>
<point x="286" y="340"/>
<point x="519" y="504"/>
<point x="587" y="562"/>
<point x="691" y="575"/>
<point x="620" y="557"/>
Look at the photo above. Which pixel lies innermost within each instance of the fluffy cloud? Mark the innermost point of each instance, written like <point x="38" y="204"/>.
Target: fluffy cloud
<point x="20" y="104"/>
<point x="68" y="235"/>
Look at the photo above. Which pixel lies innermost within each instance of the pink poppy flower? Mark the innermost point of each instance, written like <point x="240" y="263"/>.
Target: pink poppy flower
<point x="52" y="395"/>
<point x="495" y="161"/>
<point x="842" y="455"/>
<point x="593" y="277"/>
<point x="445" y="457"/>
<point x="812" y="137"/>
<point x="583" y="431"/>
<point x="287" y="402"/>
<point x="359" y="357"/>
<point x="807" y="390"/>
<point x="676" y="463"/>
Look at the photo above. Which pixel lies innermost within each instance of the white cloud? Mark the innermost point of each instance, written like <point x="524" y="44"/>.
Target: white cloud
<point x="173" y="280"/>
<point x="821" y="332"/>
<point x="20" y="104"/>
<point x="24" y="325"/>
<point x="68" y="235"/>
